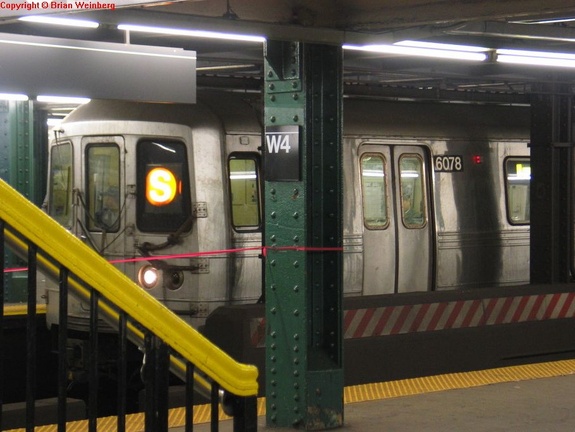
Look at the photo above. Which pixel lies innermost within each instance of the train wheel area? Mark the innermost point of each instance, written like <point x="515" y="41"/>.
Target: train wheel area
<point x="421" y="334"/>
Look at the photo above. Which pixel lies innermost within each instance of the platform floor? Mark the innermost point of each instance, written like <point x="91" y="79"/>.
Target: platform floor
<point x="525" y="398"/>
<point x="529" y="398"/>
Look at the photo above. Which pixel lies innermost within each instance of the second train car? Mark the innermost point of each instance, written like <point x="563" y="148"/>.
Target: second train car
<point x="436" y="197"/>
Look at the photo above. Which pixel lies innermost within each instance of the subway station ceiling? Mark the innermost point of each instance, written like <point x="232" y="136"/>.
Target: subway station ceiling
<point x="495" y="24"/>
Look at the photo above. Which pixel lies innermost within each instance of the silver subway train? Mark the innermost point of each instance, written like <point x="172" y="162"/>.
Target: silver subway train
<point x="436" y="197"/>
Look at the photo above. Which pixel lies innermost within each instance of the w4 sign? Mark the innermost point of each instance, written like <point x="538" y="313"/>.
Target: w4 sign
<point x="282" y="160"/>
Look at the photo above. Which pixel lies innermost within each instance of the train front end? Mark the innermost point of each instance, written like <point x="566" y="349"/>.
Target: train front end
<point x="146" y="185"/>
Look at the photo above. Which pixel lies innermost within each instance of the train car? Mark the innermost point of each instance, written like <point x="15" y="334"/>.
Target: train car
<point x="436" y="197"/>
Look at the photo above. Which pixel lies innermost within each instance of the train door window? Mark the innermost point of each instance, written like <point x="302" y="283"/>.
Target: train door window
<point x="60" y="184"/>
<point x="244" y="191"/>
<point x="163" y="186"/>
<point x="518" y="185"/>
<point x="374" y="191"/>
<point x="412" y="190"/>
<point x="103" y="203"/>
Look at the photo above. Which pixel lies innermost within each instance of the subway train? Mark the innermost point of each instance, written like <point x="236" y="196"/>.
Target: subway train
<point x="436" y="197"/>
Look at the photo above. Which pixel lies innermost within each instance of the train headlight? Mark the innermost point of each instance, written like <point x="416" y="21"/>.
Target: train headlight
<point x="148" y="276"/>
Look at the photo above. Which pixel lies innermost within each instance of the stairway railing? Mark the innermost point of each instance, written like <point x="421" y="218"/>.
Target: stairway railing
<point x="169" y="344"/>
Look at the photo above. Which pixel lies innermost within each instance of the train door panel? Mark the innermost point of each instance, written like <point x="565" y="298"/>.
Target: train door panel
<point x="103" y="200"/>
<point x="414" y="247"/>
<point x="246" y="220"/>
<point x="397" y="233"/>
<point x="379" y="258"/>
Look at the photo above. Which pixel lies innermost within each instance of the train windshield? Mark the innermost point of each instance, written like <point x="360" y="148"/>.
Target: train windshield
<point x="103" y="187"/>
<point x="163" y="187"/>
<point x="518" y="181"/>
<point x="60" y="203"/>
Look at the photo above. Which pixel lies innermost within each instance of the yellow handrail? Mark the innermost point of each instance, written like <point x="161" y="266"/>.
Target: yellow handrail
<point x="109" y="313"/>
<point x="118" y="289"/>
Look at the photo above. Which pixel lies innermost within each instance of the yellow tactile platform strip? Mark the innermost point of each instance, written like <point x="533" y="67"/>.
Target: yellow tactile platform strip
<point x="20" y="309"/>
<point x="359" y="393"/>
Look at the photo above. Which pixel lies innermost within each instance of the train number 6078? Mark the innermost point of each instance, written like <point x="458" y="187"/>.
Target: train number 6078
<point x="448" y="163"/>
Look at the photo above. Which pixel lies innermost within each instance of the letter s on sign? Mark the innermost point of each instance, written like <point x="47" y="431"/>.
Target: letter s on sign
<point x="161" y="186"/>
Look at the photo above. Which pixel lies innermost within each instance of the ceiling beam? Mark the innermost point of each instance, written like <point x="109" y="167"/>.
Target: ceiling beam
<point x="510" y="30"/>
<point x="369" y="15"/>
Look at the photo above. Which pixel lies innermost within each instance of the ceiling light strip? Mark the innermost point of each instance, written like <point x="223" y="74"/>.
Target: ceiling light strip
<point x="421" y="52"/>
<point x="535" y="58"/>
<point x="191" y="33"/>
<point x="42" y="19"/>
<point x="441" y="46"/>
<point x="13" y="97"/>
<point x="62" y="99"/>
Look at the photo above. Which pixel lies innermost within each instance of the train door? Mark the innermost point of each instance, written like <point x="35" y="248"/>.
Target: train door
<point x="398" y="252"/>
<point x="104" y="197"/>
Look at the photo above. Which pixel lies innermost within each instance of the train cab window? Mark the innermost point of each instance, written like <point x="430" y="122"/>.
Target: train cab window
<point x="163" y="186"/>
<point x="412" y="190"/>
<point x="374" y="191"/>
<point x="518" y="185"/>
<point x="60" y="184"/>
<point x="244" y="192"/>
<point x="103" y="203"/>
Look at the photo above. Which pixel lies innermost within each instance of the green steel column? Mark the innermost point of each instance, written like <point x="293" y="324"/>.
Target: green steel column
<point x="551" y="183"/>
<point x="18" y="166"/>
<point x="303" y="235"/>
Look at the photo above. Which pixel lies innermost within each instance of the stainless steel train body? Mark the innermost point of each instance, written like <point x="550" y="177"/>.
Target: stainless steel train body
<point x="436" y="197"/>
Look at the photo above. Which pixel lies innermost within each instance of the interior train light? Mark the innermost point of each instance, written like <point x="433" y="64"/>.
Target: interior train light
<point x="42" y="19"/>
<point x="535" y="58"/>
<point x="243" y="175"/>
<point x="192" y="33"/>
<point x="161" y="186"/>
<point x="148" y="276"/>
<point x="523" y="171"/>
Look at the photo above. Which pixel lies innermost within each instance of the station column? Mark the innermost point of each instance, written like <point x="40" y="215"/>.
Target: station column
<point x="551" y="183"/>
<point x="303" y="235"/>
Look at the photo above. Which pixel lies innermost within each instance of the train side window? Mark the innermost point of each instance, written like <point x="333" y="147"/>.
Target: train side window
<point x="374" y="191"/>
<point x="518" y="186"/>
<point x="103" y="203"/>
<point x="60" y="184"/>
<point x="412" y="190"/>
<point x="163" y="186"/>
<point x="244" y="191"/>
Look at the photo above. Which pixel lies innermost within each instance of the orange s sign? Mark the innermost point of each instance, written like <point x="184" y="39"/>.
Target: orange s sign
<point x="161" y="186"/>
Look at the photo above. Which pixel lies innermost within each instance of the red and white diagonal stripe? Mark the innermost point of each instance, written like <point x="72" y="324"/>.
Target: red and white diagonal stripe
<point x="392" y="320"/>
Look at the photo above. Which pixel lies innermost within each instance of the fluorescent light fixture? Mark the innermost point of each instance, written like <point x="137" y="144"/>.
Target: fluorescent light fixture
<point x="421" y="52"/>
<point x="546" y="21"/>
<point x="442" y="46"/>
<point x="13" y="97"/>
<point x="535" y="58"/>
<point x="53" y="122"/>
<point x="192" y="33"/>
<point x="42" y="19"/>
<point x="62" y="99"/>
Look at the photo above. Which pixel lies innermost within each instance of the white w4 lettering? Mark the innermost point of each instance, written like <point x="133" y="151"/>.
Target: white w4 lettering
<point x="277" y="142"/>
